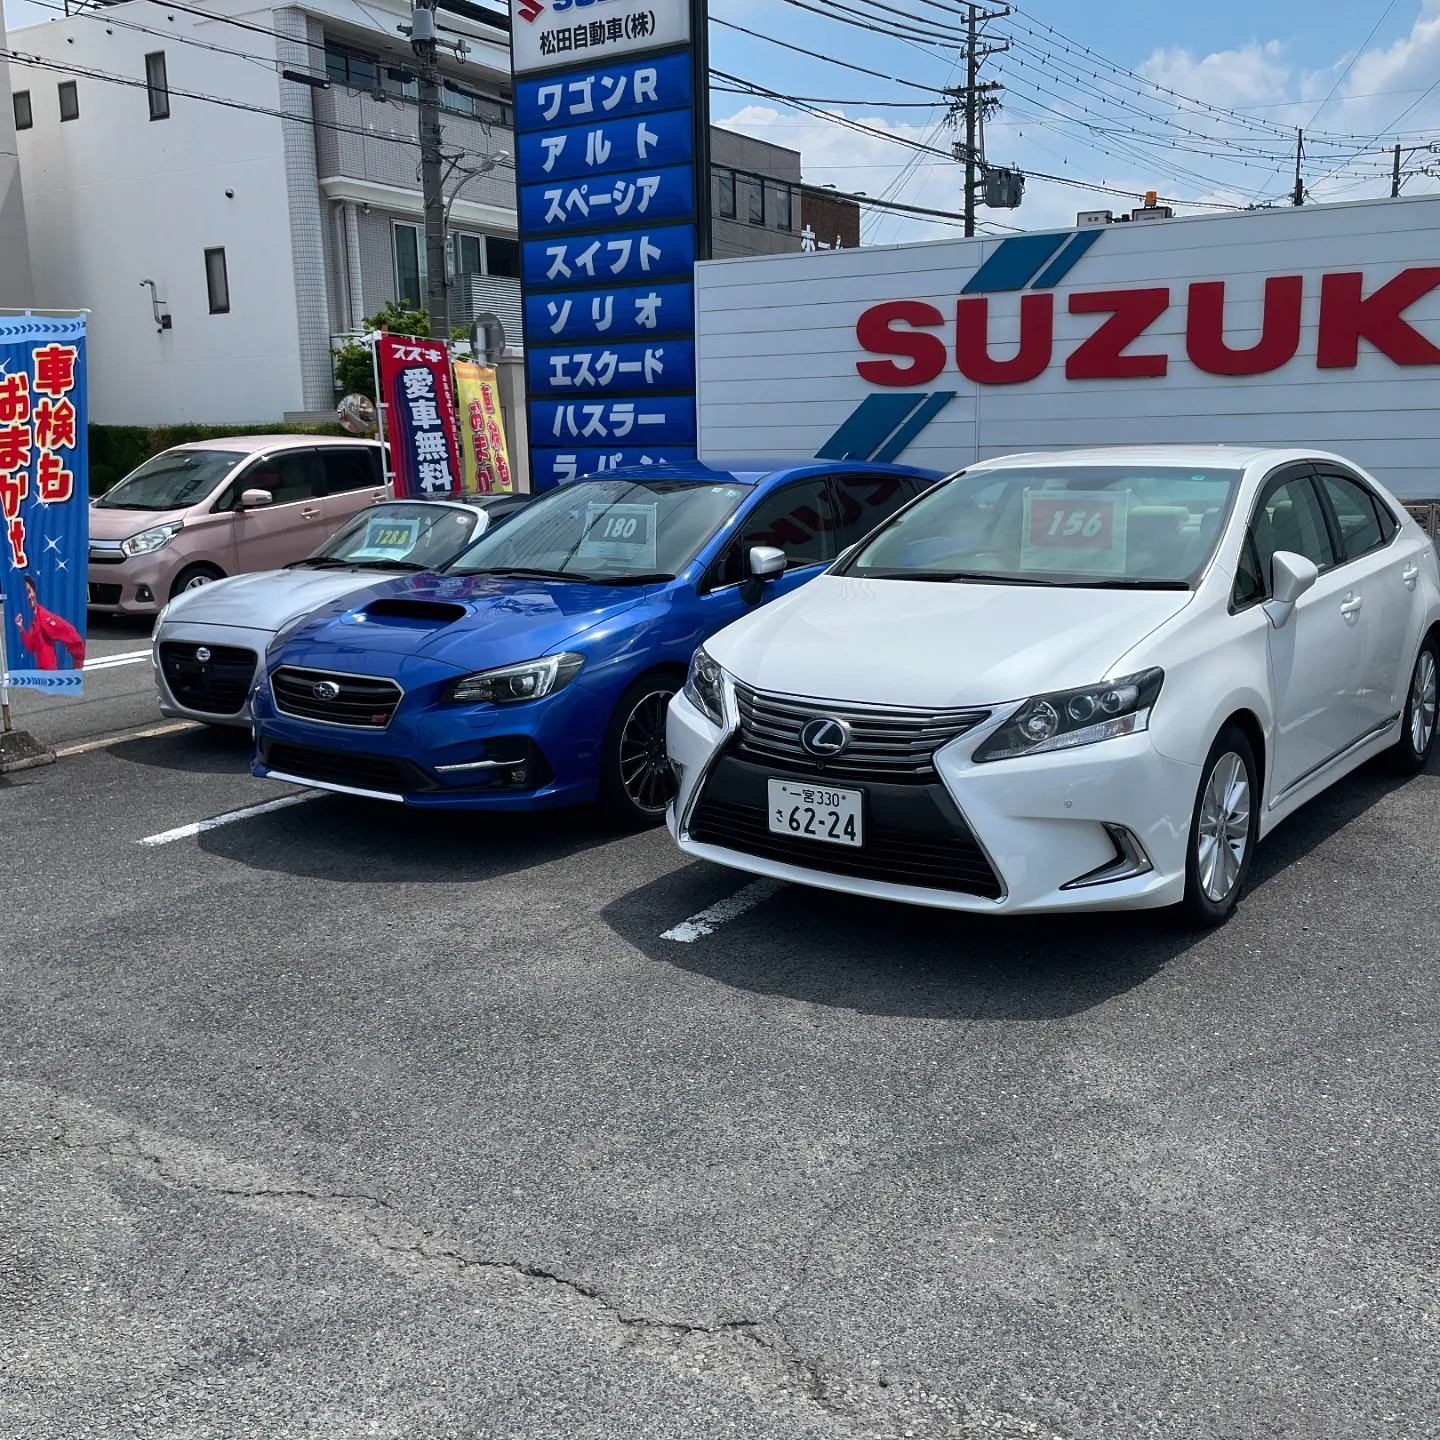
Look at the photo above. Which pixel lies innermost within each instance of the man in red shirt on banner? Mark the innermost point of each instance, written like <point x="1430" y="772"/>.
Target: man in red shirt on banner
<point x="46" y="631"/>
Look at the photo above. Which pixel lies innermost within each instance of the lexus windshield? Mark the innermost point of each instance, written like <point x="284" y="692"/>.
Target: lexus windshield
<point x="1146" y="527"/>
<point x="609" y="531"/>
<point x="172" y="480"/>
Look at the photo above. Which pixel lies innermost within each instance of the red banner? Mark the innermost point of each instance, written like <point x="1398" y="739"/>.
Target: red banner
<point x="419" y="416"/>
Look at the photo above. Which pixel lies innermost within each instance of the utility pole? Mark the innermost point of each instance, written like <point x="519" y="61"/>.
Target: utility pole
<point x="973" y="98"/>
<point x="1298" y="198"/>
<point x="1395" y="177"/>
<point x="423" y="41"/>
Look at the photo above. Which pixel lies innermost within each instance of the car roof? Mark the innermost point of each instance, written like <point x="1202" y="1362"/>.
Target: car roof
<point x="1212" y="457"/>
<point x="259" y="444"/>
<point x="750" y="471"/>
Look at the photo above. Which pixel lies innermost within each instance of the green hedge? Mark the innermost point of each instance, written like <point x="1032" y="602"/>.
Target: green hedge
<point x="115" y="450"/>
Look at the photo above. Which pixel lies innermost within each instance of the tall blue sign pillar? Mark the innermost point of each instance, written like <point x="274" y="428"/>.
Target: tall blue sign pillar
<point x="612" y="123"/>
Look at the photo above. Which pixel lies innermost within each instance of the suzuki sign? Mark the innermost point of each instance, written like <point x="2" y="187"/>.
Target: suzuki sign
<point x="1318" y="325"/>
<point x="551" y="34"/>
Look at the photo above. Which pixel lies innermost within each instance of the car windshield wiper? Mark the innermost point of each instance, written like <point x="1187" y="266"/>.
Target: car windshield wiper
<point x="528" y="572"/>
<point x="319" y="562"/>
<point x="387" y="564"/>
<point x="952" y="577"/>
<point x="658" y="578"/>
<point x="1126" y="582"/>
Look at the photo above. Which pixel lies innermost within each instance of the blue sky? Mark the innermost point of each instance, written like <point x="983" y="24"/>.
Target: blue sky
<point x="1243" y="76"/>
<point x="1197" y="101"/>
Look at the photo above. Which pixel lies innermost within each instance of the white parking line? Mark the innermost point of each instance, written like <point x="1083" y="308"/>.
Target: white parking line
<point x="125" y="735"/>
<point x="184" y="832"/>
<point x="109" y="662"/>
<point x="730" y="908"/>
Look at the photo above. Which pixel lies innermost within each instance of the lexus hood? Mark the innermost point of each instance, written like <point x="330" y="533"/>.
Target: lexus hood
<point x="268" y="600"/>
<point x="468" y="622"/>
<point x="931" y="644"/>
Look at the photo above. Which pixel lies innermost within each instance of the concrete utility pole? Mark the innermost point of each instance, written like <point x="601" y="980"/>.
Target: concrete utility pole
<point x="1395" y="177"/>
<point x="423" y="42"/>
<point x="972" y="97"/>
<point x="1298" y="198"/>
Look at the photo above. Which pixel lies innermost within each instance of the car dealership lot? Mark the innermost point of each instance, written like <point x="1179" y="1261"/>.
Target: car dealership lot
<point x="342" y="1120"/>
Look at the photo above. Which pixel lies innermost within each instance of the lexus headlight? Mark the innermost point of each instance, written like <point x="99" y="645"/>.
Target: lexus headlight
<point x="512" y="684"/>
<point x="1076" y="717"/>
<point x="704" y="686"/>
<point x="148" y="541"/>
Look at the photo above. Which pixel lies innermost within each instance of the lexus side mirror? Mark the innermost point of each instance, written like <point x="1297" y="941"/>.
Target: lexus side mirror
<point x="255" y="499"/>
<point x="1291" y="576"/>
<point x="765" y="561"/>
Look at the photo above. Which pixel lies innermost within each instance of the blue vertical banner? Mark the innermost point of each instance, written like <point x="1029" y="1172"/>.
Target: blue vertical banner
<point x="44" y="500"/>
<point x="613" y="175"/>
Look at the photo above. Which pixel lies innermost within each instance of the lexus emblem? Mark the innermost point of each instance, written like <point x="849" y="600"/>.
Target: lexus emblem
<point x="825" y="737"/>
<point x="326" y="690"/>
<point x="203" y="654"/>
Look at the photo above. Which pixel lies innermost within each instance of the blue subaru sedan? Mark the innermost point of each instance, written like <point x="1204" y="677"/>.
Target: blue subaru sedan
<point x="535" y="670"/>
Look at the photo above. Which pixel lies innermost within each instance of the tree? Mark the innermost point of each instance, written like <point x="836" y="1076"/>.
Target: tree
<point x="354" y="368"/>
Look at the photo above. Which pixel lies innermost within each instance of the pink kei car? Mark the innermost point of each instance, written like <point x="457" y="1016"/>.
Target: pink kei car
<point x="200" y="512"/>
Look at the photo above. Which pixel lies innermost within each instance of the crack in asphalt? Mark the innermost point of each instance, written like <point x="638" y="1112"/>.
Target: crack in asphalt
<point x="361" y="1220"/>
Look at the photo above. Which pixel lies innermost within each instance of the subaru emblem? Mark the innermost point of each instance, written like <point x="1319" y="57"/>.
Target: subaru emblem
<point x="203" y="654"/>
<point x="326" y="690"/>
<point x="825" y="737"/>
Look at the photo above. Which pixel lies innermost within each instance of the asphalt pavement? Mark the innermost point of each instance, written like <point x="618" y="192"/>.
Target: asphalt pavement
<point x="337" y="1120"/>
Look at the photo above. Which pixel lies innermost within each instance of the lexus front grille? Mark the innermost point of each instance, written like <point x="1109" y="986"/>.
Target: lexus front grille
<point x="891" y="743"/>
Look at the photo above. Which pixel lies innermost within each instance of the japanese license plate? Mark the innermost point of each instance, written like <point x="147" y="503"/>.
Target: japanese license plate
<point x="816" y="812"/>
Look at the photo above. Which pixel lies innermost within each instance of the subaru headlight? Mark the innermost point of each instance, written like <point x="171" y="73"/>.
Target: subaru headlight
<point x="1071" y="718"/>
<point x="513" y="684"/>
<point x="705" y="686"/>
<point x="148" y="541"/>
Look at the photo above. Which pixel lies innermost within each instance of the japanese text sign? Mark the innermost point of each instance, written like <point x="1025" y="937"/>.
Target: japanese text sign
<point x="604" y="94"/>
<point x="642" y="197"/>
<point x="559" y="467"/>
<point x="639" y="312"/>
<point x="485" y="456"/>
<point x="664" y="365"/>
<point x="44" y="500"/>
<point x="645" y="255"/>
<point x="549" y="34"/>
<point x="419" y="416"/>
<point x="596" y="148"/>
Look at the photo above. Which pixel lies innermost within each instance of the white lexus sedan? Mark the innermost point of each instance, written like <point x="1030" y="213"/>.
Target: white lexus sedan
<point x="1074" y="681"/>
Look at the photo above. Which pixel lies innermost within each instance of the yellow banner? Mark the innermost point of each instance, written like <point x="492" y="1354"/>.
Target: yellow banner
<point x="484" y="458"/>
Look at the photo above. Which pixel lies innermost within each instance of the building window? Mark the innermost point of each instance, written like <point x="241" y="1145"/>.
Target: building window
<point x="502" y="257"/>
<point x="352" y="68"/>
<point x="726" y="201"/>
<point x="24" y="115"/>
<point x="157" y="86"/>
<point x="757" y="200"/>
<point x="410" y="277"/>
<point x="469" y="256"/>
<point x="784" y="208"/>
<point x="217" y="282"/>
<point x="69" y="100"/>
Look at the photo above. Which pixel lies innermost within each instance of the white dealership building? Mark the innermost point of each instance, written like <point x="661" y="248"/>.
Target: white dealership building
<point x="1317" y="326"/>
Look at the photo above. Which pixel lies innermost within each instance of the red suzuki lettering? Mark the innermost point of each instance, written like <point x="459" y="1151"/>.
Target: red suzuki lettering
<point x="1279" y="332"/>
<point x="972" y="341"/>
<point x="876" y="333"/>
<point x="1134" y="312"/>
<point x="1348" y="315"/>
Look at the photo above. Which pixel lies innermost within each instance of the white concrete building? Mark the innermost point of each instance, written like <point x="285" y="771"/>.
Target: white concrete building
<point x="221" y="247"/>
<point x="16" y="291"/>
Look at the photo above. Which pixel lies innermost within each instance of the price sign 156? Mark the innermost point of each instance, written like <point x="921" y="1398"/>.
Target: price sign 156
<point x="1070" y="523"/>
